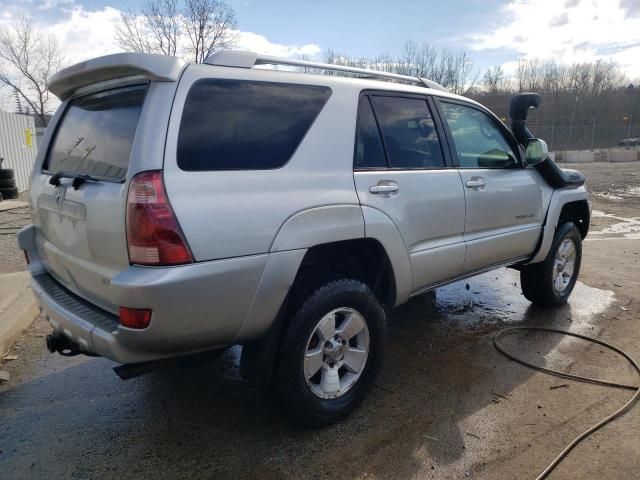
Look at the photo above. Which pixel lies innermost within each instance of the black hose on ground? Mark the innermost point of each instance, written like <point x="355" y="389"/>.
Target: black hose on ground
<point x="579" y="378"/>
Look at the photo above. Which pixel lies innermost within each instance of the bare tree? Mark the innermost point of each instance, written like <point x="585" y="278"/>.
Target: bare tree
<point x="163" y="19"/>
<point x="494" y="81"/>
<point x="132" y="33"/>
<point x="28" y="58"/>
<point x="156" y="29"/>
<point x="208" y="25"/>
<point x="452" y="70"/>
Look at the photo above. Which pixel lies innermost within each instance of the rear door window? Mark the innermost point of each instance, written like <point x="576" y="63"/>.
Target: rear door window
<point x="409" y="133"/>
<point x="96" y="132"/>
<point x="245" y="125"/>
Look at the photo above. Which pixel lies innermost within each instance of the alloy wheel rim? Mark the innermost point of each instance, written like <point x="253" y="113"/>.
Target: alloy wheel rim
<point x="564" y="265"/>
<point x="336" y="353"/>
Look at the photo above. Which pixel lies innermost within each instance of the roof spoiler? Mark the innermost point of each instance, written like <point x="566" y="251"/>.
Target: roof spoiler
<point x="158" y="68"/>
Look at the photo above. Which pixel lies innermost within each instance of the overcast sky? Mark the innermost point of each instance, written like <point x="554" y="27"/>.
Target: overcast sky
<point x="494" y="32"/>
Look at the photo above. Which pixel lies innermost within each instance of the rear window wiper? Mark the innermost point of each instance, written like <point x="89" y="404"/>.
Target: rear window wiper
<point x="78" y="179"/>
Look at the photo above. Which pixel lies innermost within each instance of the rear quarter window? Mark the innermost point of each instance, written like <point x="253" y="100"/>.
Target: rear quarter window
<point x="245" y="125"/>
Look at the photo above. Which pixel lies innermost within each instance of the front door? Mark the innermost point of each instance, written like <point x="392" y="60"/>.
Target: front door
<point x="503" y="199"/>
<point x="400" y="169"/>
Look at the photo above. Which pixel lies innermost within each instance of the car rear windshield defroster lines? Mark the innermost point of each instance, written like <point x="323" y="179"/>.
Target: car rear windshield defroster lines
<point x="95" y="136"/>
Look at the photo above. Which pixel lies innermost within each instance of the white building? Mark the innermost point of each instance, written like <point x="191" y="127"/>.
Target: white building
<point x="18" y="145"/>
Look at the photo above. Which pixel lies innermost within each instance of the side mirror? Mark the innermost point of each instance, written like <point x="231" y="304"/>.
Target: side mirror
<point x="536" y="151"/>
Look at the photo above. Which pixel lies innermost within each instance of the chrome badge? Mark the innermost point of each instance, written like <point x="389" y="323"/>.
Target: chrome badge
<point x="58" y="195"/>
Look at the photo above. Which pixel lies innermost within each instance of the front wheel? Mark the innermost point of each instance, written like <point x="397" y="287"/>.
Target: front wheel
<point x="330" y="353"/>
<point x="551" y="282"/>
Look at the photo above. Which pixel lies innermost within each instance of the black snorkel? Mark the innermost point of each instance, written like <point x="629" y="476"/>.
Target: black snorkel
<point x="554" y="175"/>
<point x="519" y="111"/>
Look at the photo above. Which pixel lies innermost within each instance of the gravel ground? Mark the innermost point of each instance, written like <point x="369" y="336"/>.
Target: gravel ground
<point x="617" y="183"/>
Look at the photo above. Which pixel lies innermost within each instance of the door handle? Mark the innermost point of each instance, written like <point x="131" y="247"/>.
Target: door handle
<point x="475" y="182"/>
<point x="384" y="187"/>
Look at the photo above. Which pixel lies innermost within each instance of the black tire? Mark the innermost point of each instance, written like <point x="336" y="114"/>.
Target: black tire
<point x="7" y="182"/>
<point x="9" y="193"/>
<point x="6" y="173"/>
<point x="537" y="280"/>
<point x="290" y="384"/>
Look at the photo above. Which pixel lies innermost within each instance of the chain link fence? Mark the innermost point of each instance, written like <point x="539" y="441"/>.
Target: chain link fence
<point x="579" y="122"/>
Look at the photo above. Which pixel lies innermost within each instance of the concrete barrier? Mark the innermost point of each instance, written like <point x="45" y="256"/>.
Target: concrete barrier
<point x="618" y="155"/>
<point x="590" y="156"/>
<point x="577" y="156"/>
<point x="18" y="308"/>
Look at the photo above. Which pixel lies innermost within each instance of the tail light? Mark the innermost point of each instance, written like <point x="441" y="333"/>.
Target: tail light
<point x="135" y="317"/>
<point x="154" y="236"/>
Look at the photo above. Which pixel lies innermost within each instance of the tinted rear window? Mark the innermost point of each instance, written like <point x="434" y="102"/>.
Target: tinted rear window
<point x="369" y="151"/>
<point x="243" y="125"/>
<point x="96" y="133"/>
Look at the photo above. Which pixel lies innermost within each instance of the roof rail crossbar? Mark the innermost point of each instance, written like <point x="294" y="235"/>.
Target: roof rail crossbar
<point x="249" y="59"/>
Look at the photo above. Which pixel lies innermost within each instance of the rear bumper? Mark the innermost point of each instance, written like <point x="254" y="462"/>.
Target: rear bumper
<point x="195" y="307"/>
<point x="93" y="329"/>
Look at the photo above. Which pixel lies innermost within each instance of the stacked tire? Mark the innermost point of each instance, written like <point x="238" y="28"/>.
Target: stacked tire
<point x="8" y="188"/>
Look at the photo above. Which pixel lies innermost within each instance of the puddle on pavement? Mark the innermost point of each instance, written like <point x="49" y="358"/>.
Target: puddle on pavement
<point x="622" y="227"/>
<point x="493" y="300"/>
<point x="496" y="297"/>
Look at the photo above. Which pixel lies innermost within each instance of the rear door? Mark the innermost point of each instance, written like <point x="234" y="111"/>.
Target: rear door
<point x="503" y="199"/>
<point x="80" y="229"/>
<point x="401" y="169"/>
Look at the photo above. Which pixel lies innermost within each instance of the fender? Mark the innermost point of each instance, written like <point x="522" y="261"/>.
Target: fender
<point x="559" y="198"/>
<point x="298" y="233"/>
<point x="314" y="226"/>
<point x="381" y="228"/>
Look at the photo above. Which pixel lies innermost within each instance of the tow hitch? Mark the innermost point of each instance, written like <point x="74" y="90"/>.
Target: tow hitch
<point x="64" y="346"/>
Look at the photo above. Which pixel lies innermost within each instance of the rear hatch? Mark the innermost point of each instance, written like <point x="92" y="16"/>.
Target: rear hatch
<point x="81" y="231"/>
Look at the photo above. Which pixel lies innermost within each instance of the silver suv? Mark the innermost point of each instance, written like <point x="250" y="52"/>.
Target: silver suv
<point x="183" y="208"/>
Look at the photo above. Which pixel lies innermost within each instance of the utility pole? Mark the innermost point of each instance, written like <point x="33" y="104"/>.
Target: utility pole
<point x="573" y="114"/>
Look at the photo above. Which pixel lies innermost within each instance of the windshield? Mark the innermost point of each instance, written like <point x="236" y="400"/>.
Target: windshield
<point x="96" y="133"/>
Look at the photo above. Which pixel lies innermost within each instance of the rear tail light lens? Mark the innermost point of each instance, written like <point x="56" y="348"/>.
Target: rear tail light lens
<point x="154" y="236"/>
<point x="135" y="317"/>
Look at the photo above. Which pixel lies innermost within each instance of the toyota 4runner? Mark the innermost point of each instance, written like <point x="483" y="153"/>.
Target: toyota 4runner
<point x="183" y="208"/>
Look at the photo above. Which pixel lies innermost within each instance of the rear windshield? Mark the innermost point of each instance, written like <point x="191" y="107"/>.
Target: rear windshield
<point x="96" y="133"/>
<point x="245" y="125"/>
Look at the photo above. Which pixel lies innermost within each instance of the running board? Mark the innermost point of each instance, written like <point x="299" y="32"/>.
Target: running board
<point x="508" y="263"/>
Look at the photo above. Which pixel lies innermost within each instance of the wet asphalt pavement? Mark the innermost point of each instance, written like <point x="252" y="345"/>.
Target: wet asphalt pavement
<point x="447" y="405"/>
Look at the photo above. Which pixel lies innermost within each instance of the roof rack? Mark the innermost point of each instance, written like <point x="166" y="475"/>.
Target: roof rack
<point x="240" y="59"/>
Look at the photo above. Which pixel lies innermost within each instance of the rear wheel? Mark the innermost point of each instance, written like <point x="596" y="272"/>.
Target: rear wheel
<point x="330" y="353"/>
<point x="551" y="282"/>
